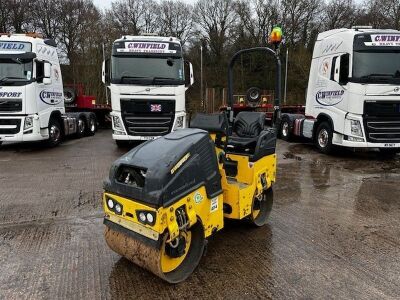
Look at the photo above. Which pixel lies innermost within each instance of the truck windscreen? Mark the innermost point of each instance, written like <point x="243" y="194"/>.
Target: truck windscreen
<point x="15" y="71"/>
<point x="149" y="70"/>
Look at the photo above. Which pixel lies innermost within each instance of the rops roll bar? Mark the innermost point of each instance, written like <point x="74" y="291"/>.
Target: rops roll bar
<point x="278" y="80"/>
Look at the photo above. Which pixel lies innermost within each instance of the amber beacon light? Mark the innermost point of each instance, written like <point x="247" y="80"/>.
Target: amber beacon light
<point x="276" y="35"/>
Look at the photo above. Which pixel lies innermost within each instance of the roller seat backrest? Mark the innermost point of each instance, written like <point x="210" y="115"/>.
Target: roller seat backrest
<point x="249" y="124"/>
<point x="216" y="123"/>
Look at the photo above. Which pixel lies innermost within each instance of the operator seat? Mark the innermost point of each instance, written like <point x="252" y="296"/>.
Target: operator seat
<point x="246" y="131"/>
<point x="250" y="137"/>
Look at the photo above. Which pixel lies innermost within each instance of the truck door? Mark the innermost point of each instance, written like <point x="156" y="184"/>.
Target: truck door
<point x="329" y="91"/>
<point x="47" y="97"/>
<point x="338" y="95"/>
<point x="330" y="86"/>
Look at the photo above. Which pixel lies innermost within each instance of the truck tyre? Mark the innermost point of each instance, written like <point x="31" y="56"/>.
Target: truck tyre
<point x="92" y="125"/>
<point x="81" y="126"/>
<point x="55" y="133"/>
<point x="69" y="95"/>
<point x="253" y="95"/>
<point x="323" y="138"/>
<point x="285" y="130"/>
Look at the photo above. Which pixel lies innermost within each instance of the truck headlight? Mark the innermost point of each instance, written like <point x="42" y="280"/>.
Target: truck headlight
<point x="117" y="123"/>
<point x="179" y="122"/>
<point x="28" y="123"/>
<point x="356" y="128"/>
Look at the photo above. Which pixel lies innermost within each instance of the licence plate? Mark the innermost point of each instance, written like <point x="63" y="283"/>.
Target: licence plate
<point x="147" y="138"/>
<point x="391" y="145"/>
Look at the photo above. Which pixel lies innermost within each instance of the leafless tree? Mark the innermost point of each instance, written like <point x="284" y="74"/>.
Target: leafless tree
<point x="15" y="15"/>
<point x="5" y="24"/>
<point x="20" y="15"/>
<point x="151" y="18"/>
<point x="45" y="17"/>
<point x="133" y="16"/>
<point x="372" y="14"/>
<point x="216" y="19"/>
<point x="339" y="13"/>
<point x="176" y="19"/>
<point x="257" y="17"/>
<point x="75" y="17"/>
<point x="392" y="13"/>
<point x="299" y="17"/>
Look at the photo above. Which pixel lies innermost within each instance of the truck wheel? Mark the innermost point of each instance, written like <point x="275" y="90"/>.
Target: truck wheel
<point x="285" y="130"/>
<point x="81" y="127"/>
<point x="55" y="133"/>
<point x="323" y="138"/>
<point x="92" y="125"/>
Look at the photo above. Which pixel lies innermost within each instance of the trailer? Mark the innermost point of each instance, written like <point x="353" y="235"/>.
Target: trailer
<point x="31" y="93"/>
<point x="261" y="101"/>
<point x="76" y="100"/>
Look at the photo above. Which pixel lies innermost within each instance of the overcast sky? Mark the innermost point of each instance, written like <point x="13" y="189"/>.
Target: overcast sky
<point x="107" y="3"/>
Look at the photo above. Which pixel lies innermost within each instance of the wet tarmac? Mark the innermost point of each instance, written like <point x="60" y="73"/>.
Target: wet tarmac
<point x="334" y="231"/>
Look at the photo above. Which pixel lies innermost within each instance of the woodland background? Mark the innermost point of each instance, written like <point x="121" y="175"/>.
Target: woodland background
<point x="220" y="27"/>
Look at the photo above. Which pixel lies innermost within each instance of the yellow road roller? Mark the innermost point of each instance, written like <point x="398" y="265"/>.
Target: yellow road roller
<point x="164" y="198"/>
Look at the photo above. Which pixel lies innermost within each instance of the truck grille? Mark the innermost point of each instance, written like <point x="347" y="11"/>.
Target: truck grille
<point x="10" y="105"/>
<point x="382" y="122"/>
<point x="148" y="125"/>
<point x="10" y="126"/>
<point x="139" y="120"/>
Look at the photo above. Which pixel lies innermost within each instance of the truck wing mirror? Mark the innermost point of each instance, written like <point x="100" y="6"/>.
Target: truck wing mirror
<point x="189" y="77"/>
<point x="105" y="76"/>
<point x="47" y="73"/>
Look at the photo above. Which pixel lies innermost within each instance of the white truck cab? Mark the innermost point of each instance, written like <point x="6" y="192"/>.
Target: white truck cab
<point x="31" y="92"/>
<point x="353" y="95"/>
<point x="146" y="78"/>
